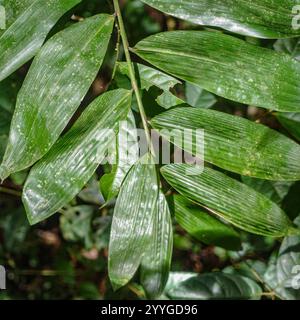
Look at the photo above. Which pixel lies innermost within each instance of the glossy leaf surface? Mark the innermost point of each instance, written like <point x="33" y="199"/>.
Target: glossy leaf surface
<point x="215" y="285"/>
<point x="256" y="18"/>
<point x="203" y="226"/>
<point x="126" y="155"/>
<point x="233" y="143"/>
<point x="69" y="165"/>
<point x="222" y="196"/>
<point x="28" y="25"/>
<point x="132" y="226"/>
<point x="156" y="262"/>
<point x="282" y="274"/>
<point x="227" y="66"/>
<point x="53" y="89"/>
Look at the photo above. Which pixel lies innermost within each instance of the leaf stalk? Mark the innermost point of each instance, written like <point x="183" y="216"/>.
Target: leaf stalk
<point x="132" y="75"/>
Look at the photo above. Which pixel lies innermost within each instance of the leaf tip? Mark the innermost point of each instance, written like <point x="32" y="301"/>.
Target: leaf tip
<point x="32" y="217"/>
<point x="4" y="172"/>
<point x="117" y="283"/>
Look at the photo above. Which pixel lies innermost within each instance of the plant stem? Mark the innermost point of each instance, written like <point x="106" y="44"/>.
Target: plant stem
<point x="10" y="191"/>
<point x="117" y="52"/>
<point x="132" y="75"/>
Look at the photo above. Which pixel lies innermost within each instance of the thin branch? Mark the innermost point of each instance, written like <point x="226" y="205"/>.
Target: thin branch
<point x="10" y="192"/>
<point x="132" y="75"/>
<point x="117" y="49"/>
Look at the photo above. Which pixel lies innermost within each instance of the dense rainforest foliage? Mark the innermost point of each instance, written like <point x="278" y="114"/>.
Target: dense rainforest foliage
<point x="83" y="215"/>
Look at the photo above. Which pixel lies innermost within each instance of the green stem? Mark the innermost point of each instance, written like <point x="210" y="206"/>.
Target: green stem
<point x="132" y="75"/>
<point x="117" y="52"/>
<point x="10" y="191"/>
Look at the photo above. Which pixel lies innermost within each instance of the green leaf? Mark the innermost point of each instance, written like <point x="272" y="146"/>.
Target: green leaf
<point x="149" y="77"/>
<point x="13" y="9"/>
<point x="283" y="271"/>
<point x="215" y="285"/>
<point x="222" y="196"/>
<point x="249" y="268"/>
<point x="288" y="266"/>
<point x="274" y="190"/>
<point x="270" y="278"/>
<point x="291" y="121"/>
<point x="131" y="230"/>
<point x="199" y="98"/>
<point x="227" y="66"/>
<point x="233" y="143"/>
<point x="53" y="89"/>
<point x="127" y="154"/>
<point x="168" y="100"/>
<point x="21" y="41"/>
<point x="203" y="226"/>
<point x="69" y="165"/>
<point x="256" y="18"/>
<point x="156" y="262"/>
<point x="177" y="277"/>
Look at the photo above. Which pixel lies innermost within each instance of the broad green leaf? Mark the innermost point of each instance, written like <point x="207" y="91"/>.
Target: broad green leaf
<point x="270" y="277"/>
<point x="13" y="9"/>
<point x="288" y="266"/>
<point x="227" y="66"/>
<point x="177" y="277"/>
<point x="291" y="121"/>
<point x="252" y="269"/>
<point x="21" y="41"/>
<point x="274" y="190"/>
<point x="256" y="18"/>
<point x="203" y="226"/>
<point x="197" y="97"/>
<point x="127" y="154"/>
<point x="222" y="196"/>
<point x="156" y="262"/>
<point x="216" y="285"/>
<point x="57" y="81"/>
<point x="233" y="143"/>
<point x="69" y="165"/>
<point x="283" y="270"/>
<point x="132" y="225"/>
